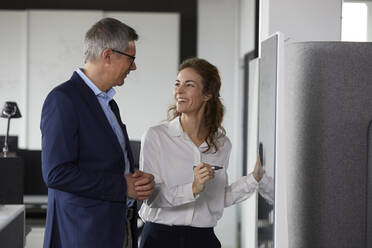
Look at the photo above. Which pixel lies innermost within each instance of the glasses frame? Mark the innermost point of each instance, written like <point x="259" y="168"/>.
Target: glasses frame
<point x="126" y="54"/>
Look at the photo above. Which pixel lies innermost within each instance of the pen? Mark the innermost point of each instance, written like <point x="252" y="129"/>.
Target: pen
<point x="214" y="167"/>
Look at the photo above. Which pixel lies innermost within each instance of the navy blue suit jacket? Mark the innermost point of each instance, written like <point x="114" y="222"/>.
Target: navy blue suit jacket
<point x="83" y="168"/>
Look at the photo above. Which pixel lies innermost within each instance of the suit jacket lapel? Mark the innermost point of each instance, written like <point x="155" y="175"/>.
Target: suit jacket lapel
<point x="95" y="107"/>
<point x="126" y="137"/>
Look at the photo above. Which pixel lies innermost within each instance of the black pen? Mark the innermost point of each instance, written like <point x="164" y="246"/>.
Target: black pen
<point x="214" y="167"/>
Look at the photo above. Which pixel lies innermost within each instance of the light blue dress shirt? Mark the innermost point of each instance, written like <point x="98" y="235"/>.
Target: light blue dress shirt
<point x="104" y="99"/>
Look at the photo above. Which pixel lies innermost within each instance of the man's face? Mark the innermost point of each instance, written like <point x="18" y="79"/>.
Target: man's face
<point x="123" y="64"/>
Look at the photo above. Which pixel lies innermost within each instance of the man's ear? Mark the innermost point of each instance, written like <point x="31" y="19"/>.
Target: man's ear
<point x="106" y="55"/>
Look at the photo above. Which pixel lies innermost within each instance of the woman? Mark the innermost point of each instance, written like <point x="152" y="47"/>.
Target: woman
<point x="188" y="157"/>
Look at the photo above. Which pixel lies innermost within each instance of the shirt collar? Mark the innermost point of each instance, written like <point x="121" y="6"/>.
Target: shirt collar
<point x="175" y="130"/>
<point x="110" y="93"/>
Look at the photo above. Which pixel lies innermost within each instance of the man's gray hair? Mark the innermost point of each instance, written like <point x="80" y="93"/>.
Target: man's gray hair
<point x="107" y="33"/>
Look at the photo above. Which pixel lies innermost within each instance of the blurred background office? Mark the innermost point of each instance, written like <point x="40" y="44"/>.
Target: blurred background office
<point x="41" y="45"/>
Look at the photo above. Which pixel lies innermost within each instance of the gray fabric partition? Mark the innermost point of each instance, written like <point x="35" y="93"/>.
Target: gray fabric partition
<point x="328" y="103"/>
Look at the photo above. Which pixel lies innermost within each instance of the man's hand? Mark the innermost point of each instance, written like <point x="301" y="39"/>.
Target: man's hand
<point x="145" y="184"/>
<point x="202" y="173"/>
<point x="140" y="185"/>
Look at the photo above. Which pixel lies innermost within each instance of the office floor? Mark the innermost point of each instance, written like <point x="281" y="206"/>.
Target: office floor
<point x="35" y="238"/>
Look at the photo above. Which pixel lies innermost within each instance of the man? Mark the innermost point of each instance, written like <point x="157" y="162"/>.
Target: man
<point x="87" y="162"/>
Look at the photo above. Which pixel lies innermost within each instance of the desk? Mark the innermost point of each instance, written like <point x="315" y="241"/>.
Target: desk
<point x="36" y="200"/>
<point x="36" y="206"/>
<point x="12" y="226"/>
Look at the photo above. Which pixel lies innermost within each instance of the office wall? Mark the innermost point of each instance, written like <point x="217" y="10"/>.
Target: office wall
<point x="247" y="22"/>
<point x="247" y="211"/>
<point x="302" y="20"/>
<point x="43" y="54"/>
<point x="13" y="69"/>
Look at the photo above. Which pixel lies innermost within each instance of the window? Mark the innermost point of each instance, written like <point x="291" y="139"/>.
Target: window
<point x="354" y="21"/>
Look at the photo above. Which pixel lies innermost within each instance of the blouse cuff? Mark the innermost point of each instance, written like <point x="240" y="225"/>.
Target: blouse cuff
<point x="189" y="194"/>
<point x="252" y="181"/>
<point x="264" y="182"/>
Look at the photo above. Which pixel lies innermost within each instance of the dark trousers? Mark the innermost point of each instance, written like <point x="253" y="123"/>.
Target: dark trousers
<point x="162" y="236"/>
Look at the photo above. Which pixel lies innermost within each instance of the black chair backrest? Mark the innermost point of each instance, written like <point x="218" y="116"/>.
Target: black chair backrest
<point x="136" y="148"/>
<point x="33" y="182"/>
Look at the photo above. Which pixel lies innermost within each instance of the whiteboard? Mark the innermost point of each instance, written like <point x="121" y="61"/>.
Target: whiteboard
<point x="55" y="50"/>
<point x="147" y="92"/>
<point x="48" y="47"/>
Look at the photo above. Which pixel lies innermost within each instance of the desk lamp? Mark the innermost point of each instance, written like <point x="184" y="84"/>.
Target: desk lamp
<point x="10" y="110"/>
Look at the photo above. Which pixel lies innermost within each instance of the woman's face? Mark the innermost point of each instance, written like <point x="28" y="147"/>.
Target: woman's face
<point x="188" y="92"/>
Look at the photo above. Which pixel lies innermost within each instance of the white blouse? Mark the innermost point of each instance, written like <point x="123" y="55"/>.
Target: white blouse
<point x="169" y="154"/>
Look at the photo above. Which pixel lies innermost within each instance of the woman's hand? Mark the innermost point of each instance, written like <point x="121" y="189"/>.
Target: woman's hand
<point x="258" y="171"/>
<point x="202" y="173"/>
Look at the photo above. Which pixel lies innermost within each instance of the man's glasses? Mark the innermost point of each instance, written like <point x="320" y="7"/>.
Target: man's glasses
<point x="128" y="55"/>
